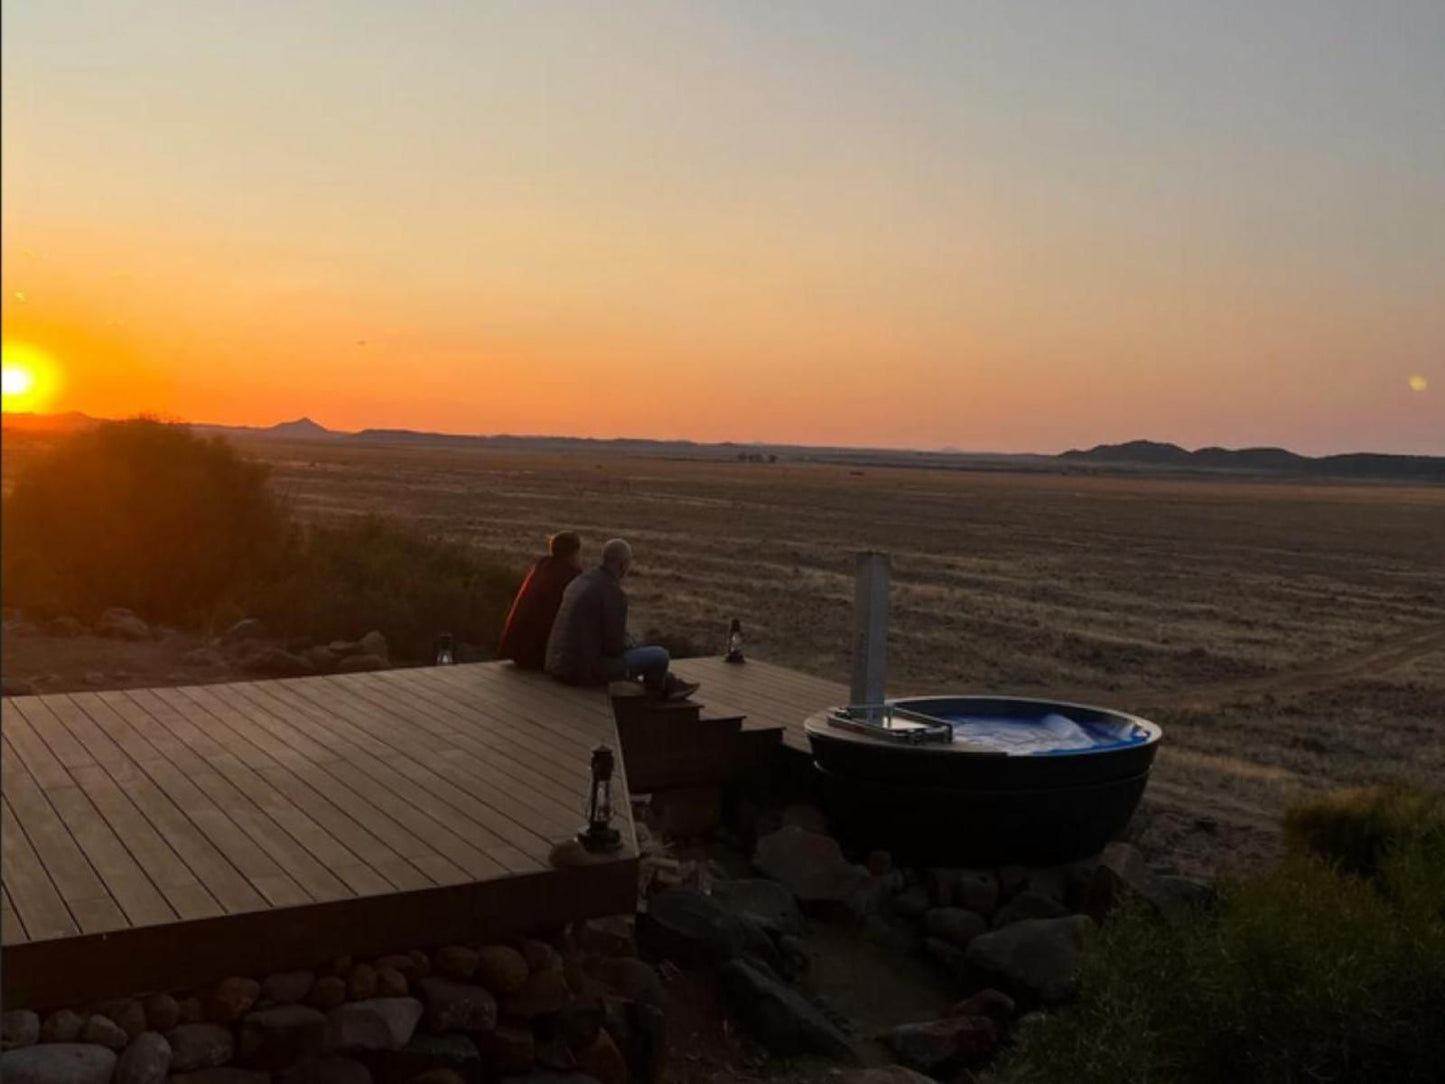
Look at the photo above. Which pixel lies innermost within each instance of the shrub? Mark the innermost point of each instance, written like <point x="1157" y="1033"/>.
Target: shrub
<point x="1355" y="828"/>
<point x="143" y="515"/>
<point x="343" y="580"/>
<point x="1306" y="972"/>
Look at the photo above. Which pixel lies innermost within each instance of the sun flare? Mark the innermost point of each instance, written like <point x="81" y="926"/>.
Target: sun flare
<point x="29" y="377"/>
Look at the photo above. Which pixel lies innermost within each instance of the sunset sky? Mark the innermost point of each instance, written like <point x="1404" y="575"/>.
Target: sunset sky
<point x="996" y="226"/>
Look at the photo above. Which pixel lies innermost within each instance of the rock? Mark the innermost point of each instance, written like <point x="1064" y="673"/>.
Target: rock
<point x="356" y="664"/>
<point x="954" y="925"/>
<point x="994" y="1004"/>
<point x="1035" y="961"/>
<point x="977" y="891"/>
<point x="456" y="962"/>
<point x="203" y="657"/>
<point x="361" y="982"/>
<point x="602" y="1060"/>
<point x="501" y="969"/>
<point x="1120" y="875"/>
<point x="948" y="954"/>
<point x="321" y="659"/>
<point x="934" y="1044"/>
<point x="632" y="979"/>
<point x="146" y="1061"/>
<point x="785" y="1021"/>
<point x="330" y="1069"/>
<point x="232" y="999"/>
<point x="94" y="677"/>
<point x="62" y="1026"/>
<point x="128" y="1012"/>
<point x="891" y="1074"/>
<point x="543" y="1076"/>
<point x="288" y="987"/>
<point x="162" y="1012"/>
<point x="766" y="901"/>
<point x="456" y="1006"/>
<point x="912" y="901"/>
<point x="103" y="1031"/>
<point x="249" y="628"/>
<point x="1011" y="881"/>
<point x="429" y="1053"/>
<point x="391" y="983"/>
<point x="383" y="1023"/>
<point x="539" y="955"/>
<point x="16" y="687"/>
<point x="545" y="992"/>
<point x="374" y="643"/>
<point x="402" y="962"/>
<point x="225" y="1074"/>
<point x="1174" y="897"/>
<point x="58" y="1063"/>
<point x="438" y="1076"/>
<point x="1028" y="904"/>
<point x="807" y="817"/>
<point x="19" y="1027"/>
<point x="200" y="1046"/>
<point x="274" y="1038"/>
<point x="690" y="928"/>
<point x="276" y="662"/>
<point x="191" y="1010"/>
<point x="508" y="1049"/>
<point x="65" y="626"/>
<point x="811" y="867"/>
<point x="327" y="993"/>
<point x="122" y="624"/>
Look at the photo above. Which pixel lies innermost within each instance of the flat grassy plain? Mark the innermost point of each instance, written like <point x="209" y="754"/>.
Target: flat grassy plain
<point x="1290" y="638"/>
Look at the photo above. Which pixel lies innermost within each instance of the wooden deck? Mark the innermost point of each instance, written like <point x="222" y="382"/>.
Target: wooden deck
<point x="158" y="837"/>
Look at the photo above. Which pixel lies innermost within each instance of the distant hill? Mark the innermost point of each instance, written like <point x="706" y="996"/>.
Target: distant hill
<point x="300" y="429"/>
<point x="1268" y="461"/>
<point x="46" y="423"/>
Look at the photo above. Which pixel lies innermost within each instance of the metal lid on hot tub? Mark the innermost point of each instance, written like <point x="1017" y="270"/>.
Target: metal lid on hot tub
<point x="891" y="723"/>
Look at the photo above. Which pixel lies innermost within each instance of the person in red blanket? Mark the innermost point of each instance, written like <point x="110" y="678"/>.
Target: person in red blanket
<point x="524" y="637"/>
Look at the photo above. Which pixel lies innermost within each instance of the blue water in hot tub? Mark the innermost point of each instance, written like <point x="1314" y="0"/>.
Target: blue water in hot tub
<point x="1053" y="734"/>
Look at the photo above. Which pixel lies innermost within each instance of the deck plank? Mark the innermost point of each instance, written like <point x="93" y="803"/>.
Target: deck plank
<point x="33" y="894"/>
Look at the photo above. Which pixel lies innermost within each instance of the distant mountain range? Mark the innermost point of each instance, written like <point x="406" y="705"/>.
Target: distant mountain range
<point x="1133" y="457"/>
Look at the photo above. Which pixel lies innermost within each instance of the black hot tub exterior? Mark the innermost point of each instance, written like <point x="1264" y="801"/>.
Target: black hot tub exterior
<point x="951" y="804"/>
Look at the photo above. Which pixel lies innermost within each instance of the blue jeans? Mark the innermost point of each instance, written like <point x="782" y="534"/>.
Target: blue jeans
<point x="648" y="663"/>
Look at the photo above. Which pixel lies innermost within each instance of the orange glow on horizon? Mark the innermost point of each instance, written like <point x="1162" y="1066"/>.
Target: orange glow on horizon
<point x="29" y="378"/>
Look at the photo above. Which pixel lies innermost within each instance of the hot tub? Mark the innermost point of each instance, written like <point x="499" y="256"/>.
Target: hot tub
<point x="977" y="780"/>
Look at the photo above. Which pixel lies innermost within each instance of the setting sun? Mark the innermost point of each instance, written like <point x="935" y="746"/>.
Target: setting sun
<point x="28" y="378"/>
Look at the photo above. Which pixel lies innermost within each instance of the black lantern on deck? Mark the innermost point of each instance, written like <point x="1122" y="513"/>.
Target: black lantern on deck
<point x="443" y="648"/>
<point x="735" y="642"/>
<point x="599" y="836"/>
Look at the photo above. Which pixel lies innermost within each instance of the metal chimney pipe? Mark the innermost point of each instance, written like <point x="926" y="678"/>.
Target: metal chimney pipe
<point x="870" y="629"/>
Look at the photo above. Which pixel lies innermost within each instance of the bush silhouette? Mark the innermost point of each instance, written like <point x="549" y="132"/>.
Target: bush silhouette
<point x="143" y="515"/>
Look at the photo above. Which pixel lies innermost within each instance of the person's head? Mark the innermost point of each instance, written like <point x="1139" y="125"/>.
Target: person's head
<point x="566" y="546"/>
<point x="617" y="557"/>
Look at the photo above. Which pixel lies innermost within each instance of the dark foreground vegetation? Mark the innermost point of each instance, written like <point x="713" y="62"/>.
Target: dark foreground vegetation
<point x="1330" y="967"/>
<point x="185" y="531"/>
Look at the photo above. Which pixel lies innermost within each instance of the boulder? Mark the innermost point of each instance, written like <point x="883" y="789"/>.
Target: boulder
<point x="103" y="1031"/>
<point x="954" y="925"/>
<point x="633" y="979"/>
<point x="146" y="1061"/>
<point x="191" y="1010"/>
<point x="1012" y="880"/>
<point x="539" y="955"/>
<point x="428" y="1053"/>
<point x="1035" y="961"/>
<point x="807" y="817"/>
<point x="374" y="643"/>
<point x="65" y="626"/>
<point x="457" y="1006"/>
<point x="1028" y="904"/>
<point x="406" y="964"/>
<point x="232" y="999"/>
<point x="58" y="1063"/>
<point x="203" y="657"/>
<point x="162" y="1012"/>
<point x="455" y="962"/>
<point x="276" y="662"/>
<point x="508" y="1049"/>
<point x="690" y="928"/>
<point x="501" y="969"/>
<point x="248" y="628"/>
<point x="200" y="1046"/>
<point x="288" y="987"/>
<point x="974" y="890"/>
<point x="767" y="902"/>
<point x="994" y="1004"/>
<point x="224" y="1074"/>
<point x="357" y="664"/>
<point x="122" y="624"/>
<point x="543" y="993"/>
<point x="329" y="1069"/>
<point x="327" y="993"/>
<point x="383" y="1023"/>
<point x="613" y="935"/>
<point x="361" y="982"/>
<point x="19" y="1027"/>
<point x="948" y="954"/>
<point x="936" y="1044"/>
<point x="391" y="983"/>
<point x="274" y="1038"/>
<point x="1122" y="876"/>
<point x="812" y="867"/>
<point x="62" y="1026"/>
<point x="602" y="1060"/>
<point x="128" y="1012"/>
<point x="912" y="901"/>
<point x="321" y="659"/>
<point x="782" y="1019"/>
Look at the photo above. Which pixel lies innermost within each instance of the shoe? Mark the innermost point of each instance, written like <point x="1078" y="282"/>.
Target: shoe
<point x="677" y="689"/>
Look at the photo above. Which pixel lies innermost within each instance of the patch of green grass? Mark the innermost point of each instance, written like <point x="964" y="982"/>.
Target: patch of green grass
<point x="1307" y="972"/>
